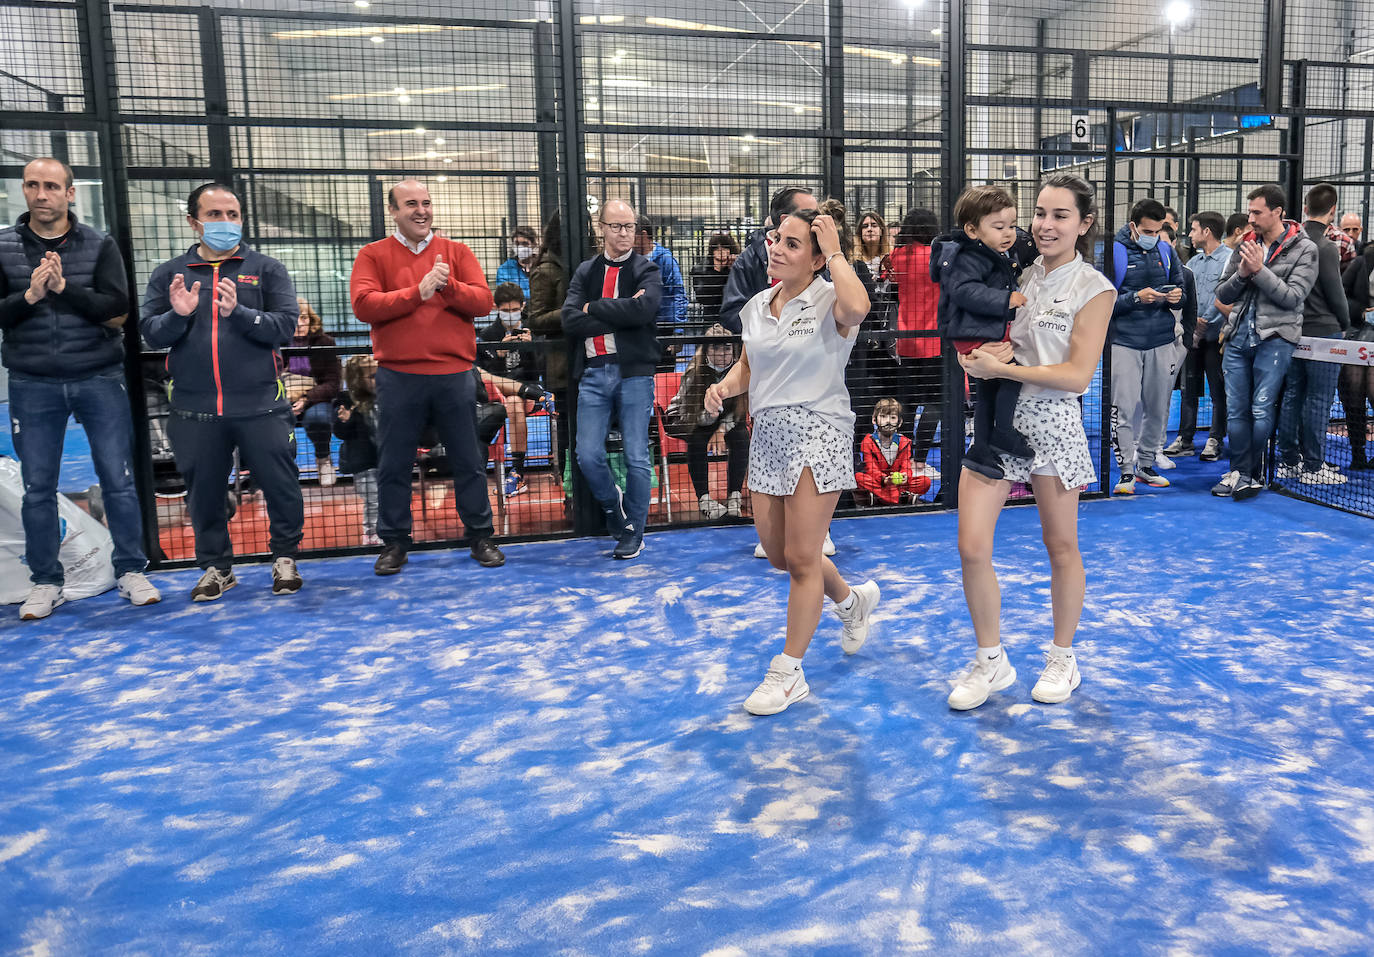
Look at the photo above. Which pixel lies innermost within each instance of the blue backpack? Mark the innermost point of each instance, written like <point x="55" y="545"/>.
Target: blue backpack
<point x="1119" y="260"/>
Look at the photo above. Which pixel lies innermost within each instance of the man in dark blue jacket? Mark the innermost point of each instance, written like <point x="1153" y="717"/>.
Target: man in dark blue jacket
<point x="749" y="274"/>
<point x="224" y="310"/>
<point x="609" y="319"/>
<point x="63" y="301"/>
<point x="1150" y="282"/>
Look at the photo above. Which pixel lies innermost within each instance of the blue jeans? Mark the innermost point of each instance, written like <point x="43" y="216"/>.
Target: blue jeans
<point x="318" y="422"/>
<point x="1308" y="391"/>
<point x="600" y="393"/>
<point x="1254" y="378"/>
<point x="38" y="421"/>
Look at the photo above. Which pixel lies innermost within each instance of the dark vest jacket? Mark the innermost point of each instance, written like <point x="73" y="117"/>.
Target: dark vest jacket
<point x="54" y="341"/>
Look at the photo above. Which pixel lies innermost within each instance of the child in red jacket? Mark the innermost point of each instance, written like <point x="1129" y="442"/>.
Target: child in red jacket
<point x="886" y="457"/>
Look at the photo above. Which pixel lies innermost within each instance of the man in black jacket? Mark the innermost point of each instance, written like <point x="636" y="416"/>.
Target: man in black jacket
<point x="225" y="310"/>
<point x="608" y="319"/>
<point x="1310" y="385"/>
<point x="63" y="301"/>
<point x="749" y="274"/>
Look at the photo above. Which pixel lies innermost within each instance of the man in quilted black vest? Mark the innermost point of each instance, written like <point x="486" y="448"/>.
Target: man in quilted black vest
<point x="63" y="301"/>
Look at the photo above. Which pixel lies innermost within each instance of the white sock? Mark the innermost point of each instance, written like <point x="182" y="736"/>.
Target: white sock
<point x="989" y="654"/>
<point x="1059" y="651"/>
<point x="848" y="602"/>
<point x="789" y="663"/>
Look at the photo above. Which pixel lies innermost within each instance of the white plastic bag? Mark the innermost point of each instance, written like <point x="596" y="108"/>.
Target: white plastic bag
<point x="86" y="546"/>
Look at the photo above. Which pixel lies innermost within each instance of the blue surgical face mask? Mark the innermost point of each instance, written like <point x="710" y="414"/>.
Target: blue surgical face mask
<point x="1146" y="242"/>
<point x="221" y="234"/>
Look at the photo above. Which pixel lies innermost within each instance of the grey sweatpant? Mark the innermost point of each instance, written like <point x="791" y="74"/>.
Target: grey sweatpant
<point x="1142" y="386"/>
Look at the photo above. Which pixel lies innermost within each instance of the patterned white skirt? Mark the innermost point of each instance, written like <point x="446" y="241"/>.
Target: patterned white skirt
<point x="789" y="439"/>
<point x="1054" y="429"/>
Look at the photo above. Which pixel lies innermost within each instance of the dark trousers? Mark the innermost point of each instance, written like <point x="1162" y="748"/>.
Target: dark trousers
<point x="737" y="460"/>
<point x="1356" y="386"/>
<point x="1203" y="362"/>
<point x="406" y="403"/>
<point x="926" y="390"/>
<point x="204" y="448"/>
<point x="994" y="408"/>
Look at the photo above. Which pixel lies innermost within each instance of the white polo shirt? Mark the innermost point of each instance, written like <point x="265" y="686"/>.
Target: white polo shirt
<point x="1042" y="328"/>
<point x="799" y="358"/>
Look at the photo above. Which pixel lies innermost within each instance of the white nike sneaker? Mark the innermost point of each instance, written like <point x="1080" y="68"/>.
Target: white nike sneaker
<point x="1058" y="680"/>
<point x="41" y="601"/>
<point x="135" y="587"/>
<point x="855" y="620"/>
<point x="780" y="689"/>
<point x="759" y="552"/>
<point x="1163" y="462"/>
<point x="981" y="679"/>
<point x="828" y="548"/>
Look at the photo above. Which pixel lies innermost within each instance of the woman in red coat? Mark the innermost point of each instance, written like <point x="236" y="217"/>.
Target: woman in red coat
<point x="917" y="298"/>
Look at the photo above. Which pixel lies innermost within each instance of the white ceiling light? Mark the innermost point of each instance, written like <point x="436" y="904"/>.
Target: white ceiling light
<point x="379" y="39"/>
<point x="361" y="4"/>
<point x="438" y="141"/>
<point x="403" y="99"/>
<point x="1177" y="12"/>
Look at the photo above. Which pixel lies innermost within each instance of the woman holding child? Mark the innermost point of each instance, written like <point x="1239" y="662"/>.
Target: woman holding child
<point x="1056" y="341"/>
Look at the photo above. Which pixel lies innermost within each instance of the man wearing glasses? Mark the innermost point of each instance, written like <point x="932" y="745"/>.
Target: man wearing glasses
<point x="608" y="318"/>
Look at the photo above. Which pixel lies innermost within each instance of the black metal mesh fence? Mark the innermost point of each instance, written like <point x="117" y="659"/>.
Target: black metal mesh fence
<point x="312" y="111"/>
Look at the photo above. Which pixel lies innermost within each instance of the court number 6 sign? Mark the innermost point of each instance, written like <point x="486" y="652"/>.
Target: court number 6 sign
<point x="1081" y="133"/>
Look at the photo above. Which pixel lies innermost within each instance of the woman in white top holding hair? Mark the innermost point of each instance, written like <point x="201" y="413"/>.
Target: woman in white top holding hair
<point x="797" y="338"/>
<point x="1057" y="339"/>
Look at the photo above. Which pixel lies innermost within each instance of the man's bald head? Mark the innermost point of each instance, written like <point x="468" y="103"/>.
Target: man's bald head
<point x="411" y="209"/>
<point x="618" y="223"/>
<point x="1351" y="225"/>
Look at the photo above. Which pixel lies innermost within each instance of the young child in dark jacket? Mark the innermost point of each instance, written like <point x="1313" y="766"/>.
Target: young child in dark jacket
<point x="355" y="423"/>
<point x="978" y="300"/>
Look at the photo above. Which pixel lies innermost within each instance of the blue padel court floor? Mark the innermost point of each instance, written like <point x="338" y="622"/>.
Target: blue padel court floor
<point x="552" y="757"/>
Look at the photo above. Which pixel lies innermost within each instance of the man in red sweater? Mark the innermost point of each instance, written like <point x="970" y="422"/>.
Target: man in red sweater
<point x="420" y="293"/>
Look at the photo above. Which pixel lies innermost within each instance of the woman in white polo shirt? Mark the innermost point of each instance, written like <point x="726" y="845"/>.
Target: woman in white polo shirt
<point x="797" y="338"/>
<point x="1057" y="340"/>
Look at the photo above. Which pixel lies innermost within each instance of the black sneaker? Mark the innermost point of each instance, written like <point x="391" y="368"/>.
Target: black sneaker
<point x="1150" y="477"/>
<point x="485" y="553"/>
<point x="213" y="584"/>
<point x="629" y="546"/>
<point x="1246" y="488"/>
<point x="984" y="461"/>
<point x="391" y="559"/>
<point x="286" y="579"/>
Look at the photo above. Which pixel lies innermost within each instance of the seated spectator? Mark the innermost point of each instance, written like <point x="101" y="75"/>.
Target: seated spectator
<point x="311" y="383"/>
<point x="885" y="455"/>
<point x="517" y="268"/>
<point x="709" y="278"/>
<point x="512" y="364"/>
<point x="355" y="423"/>
<point x="521" y="399"/>
<point x="687" y="419"/>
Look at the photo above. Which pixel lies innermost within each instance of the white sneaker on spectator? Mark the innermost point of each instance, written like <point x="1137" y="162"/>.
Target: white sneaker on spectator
<point x="41" y="601"/>
<point x="1163" y="462"/>
<point x="137" y="589"/>
<point x="1227" y="485"/>
<point x="855" y="621"/>
<point x="780" y="689"/>
<point x="1288" y="472"/>
<point x="327" y="474"/>
<point x="1058" y="680"/>
<point x="710" y="507"/>
<point x="929" y="471"/>
<point x="370" y="538"/>
<point x="1326" y="475"/>
<point x="1211" y="451"/>
<point x="980" y="680"/>
<point x="734" y="505"/>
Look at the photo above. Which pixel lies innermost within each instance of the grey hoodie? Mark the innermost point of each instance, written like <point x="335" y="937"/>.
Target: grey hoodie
<point x="1279" y="290"/>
